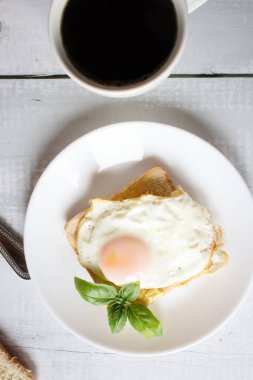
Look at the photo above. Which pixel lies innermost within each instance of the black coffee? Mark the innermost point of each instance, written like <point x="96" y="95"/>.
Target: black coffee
<point x="118" y="42"/>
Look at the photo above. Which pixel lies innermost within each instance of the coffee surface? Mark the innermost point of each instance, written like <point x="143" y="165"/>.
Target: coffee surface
<point x="118" y="42"/>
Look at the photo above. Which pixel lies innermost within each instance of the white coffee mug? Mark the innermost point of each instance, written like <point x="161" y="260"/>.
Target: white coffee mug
<point x="137" y="88"/>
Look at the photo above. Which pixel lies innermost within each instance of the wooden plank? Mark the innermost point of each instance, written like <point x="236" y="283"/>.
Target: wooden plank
<point x="40" y="117"/>
<point x="220" y="39"/>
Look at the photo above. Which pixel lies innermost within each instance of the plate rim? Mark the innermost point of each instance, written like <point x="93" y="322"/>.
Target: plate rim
<point x="147" y="124"/>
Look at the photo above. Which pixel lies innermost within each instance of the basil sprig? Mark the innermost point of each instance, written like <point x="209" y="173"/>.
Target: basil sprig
<point x="120" y="306"/>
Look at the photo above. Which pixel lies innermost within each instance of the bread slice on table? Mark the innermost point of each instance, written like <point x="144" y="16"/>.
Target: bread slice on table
<point x="11" y="369"/>
<point x="158" y="182"/>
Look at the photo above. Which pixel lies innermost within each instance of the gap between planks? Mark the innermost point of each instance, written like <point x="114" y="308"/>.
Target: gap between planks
<point x="173" y="76"/>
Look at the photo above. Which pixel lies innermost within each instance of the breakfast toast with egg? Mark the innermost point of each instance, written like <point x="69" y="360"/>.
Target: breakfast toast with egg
<point x="157" y="182"/>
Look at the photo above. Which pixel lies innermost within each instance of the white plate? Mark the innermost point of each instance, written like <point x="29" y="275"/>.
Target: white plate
<point x="99" y="164"/>
<point x="194" y="4"/>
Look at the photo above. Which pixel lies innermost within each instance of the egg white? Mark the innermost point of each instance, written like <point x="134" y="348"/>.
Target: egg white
<point x="178" y="231"/>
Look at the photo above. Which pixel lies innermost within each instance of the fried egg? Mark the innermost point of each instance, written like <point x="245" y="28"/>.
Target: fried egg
<point x="157" y="241"/>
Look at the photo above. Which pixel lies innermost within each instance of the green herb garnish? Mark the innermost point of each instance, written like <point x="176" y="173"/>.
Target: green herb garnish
<point x="120" y="306"/>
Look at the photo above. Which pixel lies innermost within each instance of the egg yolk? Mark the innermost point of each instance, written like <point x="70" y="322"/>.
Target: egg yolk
<point x="124" y="260"/>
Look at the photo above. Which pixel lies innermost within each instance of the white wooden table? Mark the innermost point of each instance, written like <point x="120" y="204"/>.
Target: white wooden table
<point x="41" y="111"/>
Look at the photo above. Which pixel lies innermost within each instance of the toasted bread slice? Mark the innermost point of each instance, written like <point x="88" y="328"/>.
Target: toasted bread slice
<point x="11" y="369"/>
<point x="71" y="229"/>
<point x="155" y="181"/>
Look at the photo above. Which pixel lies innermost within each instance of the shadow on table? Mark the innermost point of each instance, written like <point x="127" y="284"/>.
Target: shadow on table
<point x="106" y="114"/>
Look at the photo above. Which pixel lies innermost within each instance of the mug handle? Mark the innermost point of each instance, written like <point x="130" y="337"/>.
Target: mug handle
<point x="194" y="4"/>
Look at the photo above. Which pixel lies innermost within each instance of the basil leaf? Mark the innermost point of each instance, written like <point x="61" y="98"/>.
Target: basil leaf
<point x="117" y="317"/>
<point x="130" y="292"/>
<point x="96" y="294"/>
<point x="144" y="321"/>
